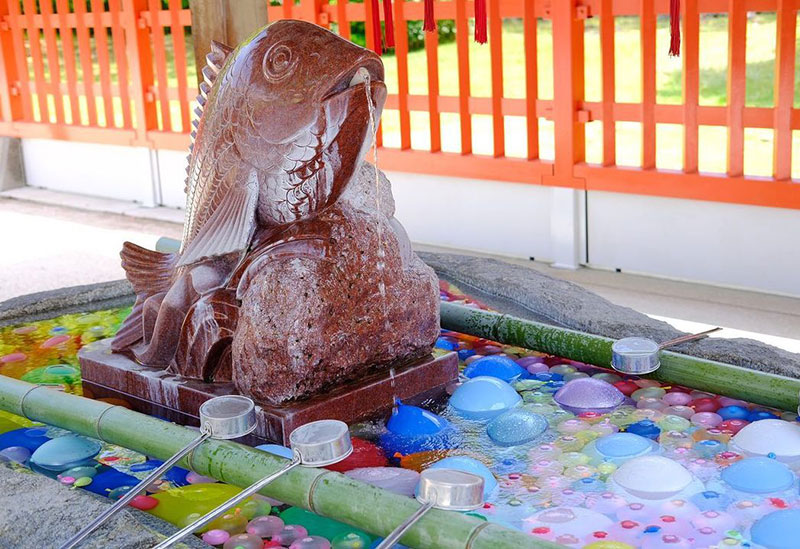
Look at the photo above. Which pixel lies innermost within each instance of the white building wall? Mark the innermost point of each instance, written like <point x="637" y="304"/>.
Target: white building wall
<point x="724" y="244"/>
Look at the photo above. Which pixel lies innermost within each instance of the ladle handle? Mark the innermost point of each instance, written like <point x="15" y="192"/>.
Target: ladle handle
<point x="133" y="492"/>
<point x="238" y="498"/>
<point x="390" y="540"/>
<point x="689" y="337"/>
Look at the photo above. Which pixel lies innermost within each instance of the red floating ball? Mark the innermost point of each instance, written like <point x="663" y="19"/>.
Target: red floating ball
<point x="732" y="425"/>
<point x="365" y="454"/>
<point x="705" y="405"/>
<point x="626" y="387"/>
<point x="143" y="503"/>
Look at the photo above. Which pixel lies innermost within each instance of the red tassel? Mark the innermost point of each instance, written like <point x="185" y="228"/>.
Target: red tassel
<point x="376" y="27"/>
<point x="389" y="22"/>
<point x="675" y="27"/>
<point x="480" y="21"/>
<point x="429" y="24"/>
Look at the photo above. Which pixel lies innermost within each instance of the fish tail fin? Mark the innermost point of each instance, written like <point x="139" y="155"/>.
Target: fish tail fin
<point x="149" y="273"/>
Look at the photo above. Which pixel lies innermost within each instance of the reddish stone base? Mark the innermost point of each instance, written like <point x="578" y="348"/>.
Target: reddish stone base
<point x="156" y="392"/>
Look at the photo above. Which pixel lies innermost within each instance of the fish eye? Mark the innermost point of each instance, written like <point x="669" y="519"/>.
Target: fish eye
<point x="279" y="62"/>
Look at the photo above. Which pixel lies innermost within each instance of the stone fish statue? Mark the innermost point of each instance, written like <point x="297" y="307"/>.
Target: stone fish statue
<point x="290" y="277"/>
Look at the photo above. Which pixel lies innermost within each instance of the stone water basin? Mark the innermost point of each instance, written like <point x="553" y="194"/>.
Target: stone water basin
<point x="570" y="453"/>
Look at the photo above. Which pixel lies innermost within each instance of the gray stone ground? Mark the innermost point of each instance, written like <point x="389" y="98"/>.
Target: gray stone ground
<point x="39" y="512"/>
<point x="529" y="294"/>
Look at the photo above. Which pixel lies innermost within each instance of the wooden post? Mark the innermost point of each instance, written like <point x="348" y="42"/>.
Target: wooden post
<point x="226" y="21"/>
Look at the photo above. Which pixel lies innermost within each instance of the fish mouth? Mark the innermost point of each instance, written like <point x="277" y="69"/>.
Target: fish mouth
<point x="356" y="76"/>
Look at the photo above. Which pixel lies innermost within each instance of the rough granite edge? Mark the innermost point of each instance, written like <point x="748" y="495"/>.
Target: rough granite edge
<point x="530" y="294"/>
<point x="513" y="289"/>
<point x="39" y="511"/>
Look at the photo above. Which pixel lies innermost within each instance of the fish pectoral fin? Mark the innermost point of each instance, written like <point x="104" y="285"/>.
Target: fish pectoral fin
<point x="229" y="228"/>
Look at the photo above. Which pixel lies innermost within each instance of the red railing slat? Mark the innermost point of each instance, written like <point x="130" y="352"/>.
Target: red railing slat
<point x="786" y="26"/>
<point x="431" y="54"/>
<point x="496" y="54"/>
<point x="51" y="47"/>
<point x="737" y="62"/>
<point x="608" y="72"/>
<point x="101" y="43"/>
<point x="401" y="56"/>
<point x="647" y="37"/>
<point x="691" y="83"/>
<point x="462" y="44"/>
<point x="37" y="61"/>
<point x="85" y="51"/>
<point x="531" y="80"/>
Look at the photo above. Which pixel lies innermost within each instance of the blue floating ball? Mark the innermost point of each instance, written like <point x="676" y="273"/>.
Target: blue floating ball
<point x="62" y="453"/>
<point x="758" y="415"/>
<point x="412" y="421"/>
<point x="484" y="397"/>
<point x="777" y="530"/>
<point x="618" y="448"/>
<point x="509" y="465"/>
<point x="709" y="448"/>
<point x="758" y="475"/>
<point x="445" y="344"/>
<point x="27" y="437"/>
<point x="469" y="465"/>
<point x="501" y="367"/>
<point x="733" y="412"/>
<point x="547" y="376"/>
<point x="464" y="354"/>
<point x="711" y="500"/>
<point x="148" y="465"/>
<point x="412" y="429"/>
<point x="103" y="483"/>
<point x="276" y="449"/>
<point x="516" y="427"/>
<point x="589" y="485"/>
<point x="177" y="476"/>
<point x="645" y="428"/>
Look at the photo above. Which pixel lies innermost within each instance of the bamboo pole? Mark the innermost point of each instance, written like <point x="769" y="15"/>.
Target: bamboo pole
<point x="706" y="375"/>
<point x="324" y="492"/>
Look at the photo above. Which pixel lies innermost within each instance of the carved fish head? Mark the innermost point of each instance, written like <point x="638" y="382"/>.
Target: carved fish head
<point x="305" y="122"/>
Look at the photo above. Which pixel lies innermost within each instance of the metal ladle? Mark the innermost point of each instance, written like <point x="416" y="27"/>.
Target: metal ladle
<point x="446" y="489"/>
<point x="640" y="355"/>
<point x="314" y="444"/>
<point x="224" y="417"/>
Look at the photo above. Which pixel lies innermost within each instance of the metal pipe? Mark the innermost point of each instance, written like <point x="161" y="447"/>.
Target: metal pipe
<point x="133" y="492"/>
<point x="390" y="540"/>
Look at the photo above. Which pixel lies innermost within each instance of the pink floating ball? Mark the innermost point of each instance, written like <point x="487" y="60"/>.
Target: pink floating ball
<point x="290" y="534"/>
<point x="651" y="403"/>
<point x="701" y="394"/>
<point x="706" y="419"/>
<point x="24" y="330"/>
<point x="194" y="478"/>
<point x="66" y="480"/>
<point x="572" y="426"/>
<point x="488" y="350"/>
<point x="732" y="426"/>
<point x="244" y="541"/>
<point x="680" y="410"/>
<point x="718" y="520"/>
<point x="670" y="524"/>
<point x="13" y="357"/>
<point x="679" y="508"/>
<point x="55" y="341"/>
<point x="626" y="531"/>
<point x="676" y="399"/>
<point x="537" y="368"/>
<point x="266" y="526"/>
<point x="606" y="503"/>
<point x="527" y="361"/>
<point x="637" y="512"/>
<point x="661" y="540"/>
<point x="707" y="536"/>
<point x="216" y="537"/>
<point x="728" y="401"/>
<point x="311" y="542"/>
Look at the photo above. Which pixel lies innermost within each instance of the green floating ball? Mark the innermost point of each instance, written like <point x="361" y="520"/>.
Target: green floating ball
<point x="57" y="374"/>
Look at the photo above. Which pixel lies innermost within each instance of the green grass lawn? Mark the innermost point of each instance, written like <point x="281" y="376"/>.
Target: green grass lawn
<point x="713" y="74"/>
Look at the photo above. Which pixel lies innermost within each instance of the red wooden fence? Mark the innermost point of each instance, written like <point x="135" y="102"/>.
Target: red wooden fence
<point x="114" y="75"/>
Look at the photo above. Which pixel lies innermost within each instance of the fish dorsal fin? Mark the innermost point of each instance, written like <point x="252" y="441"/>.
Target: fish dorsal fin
<point x="215" y="60"/>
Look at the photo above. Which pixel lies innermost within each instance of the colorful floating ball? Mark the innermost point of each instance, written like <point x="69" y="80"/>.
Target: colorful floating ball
<point x="216" y="537"/>
<point x="652" y="477"/>
<point x="758" y="475"/>
<point x="618" y="448"/>
<point x="483" y="398"/>
<point x="778" y="530"/>
<point x="516" y="427"/>
<point x="265" y="527"/>
<point x="769" y="436"/>
<point x="62" y="453"/>
<point x="588" y="395"/>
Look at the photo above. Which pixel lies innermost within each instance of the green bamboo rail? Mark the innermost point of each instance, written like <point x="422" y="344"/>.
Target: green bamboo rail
<point x="324" y="492"/>
<point x="697" y="373"/>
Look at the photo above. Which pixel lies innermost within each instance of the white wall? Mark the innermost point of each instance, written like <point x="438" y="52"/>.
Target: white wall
<point x="725" y="244"/>
<point x="109" y="171"/>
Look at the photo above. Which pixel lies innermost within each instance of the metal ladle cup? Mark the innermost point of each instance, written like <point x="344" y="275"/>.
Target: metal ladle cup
<point x="446" y="489"/>
<point x="640" y="355"/>
<point x="314" y="444"/>
<point x="224" y="417"/>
